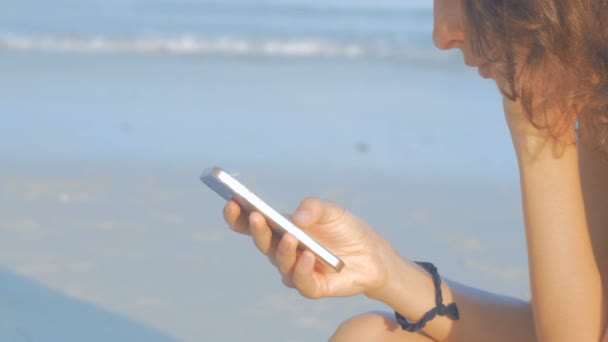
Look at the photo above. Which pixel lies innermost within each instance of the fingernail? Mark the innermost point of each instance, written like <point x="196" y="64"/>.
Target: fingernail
<point x="302" y="216"/>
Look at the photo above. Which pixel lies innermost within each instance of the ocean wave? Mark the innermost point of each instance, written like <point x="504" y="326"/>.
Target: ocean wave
<point x="189" y="45"/>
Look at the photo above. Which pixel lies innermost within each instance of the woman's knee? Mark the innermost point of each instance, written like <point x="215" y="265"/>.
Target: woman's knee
<point x="374" y="326"/>
<point x="363" y="327"/>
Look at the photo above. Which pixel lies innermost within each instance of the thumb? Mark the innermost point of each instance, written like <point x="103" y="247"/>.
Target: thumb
<point x="314" y="210"/>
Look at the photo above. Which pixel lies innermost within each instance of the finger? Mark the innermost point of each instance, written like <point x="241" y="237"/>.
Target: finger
<point x="236" y="218"/>
<point x="314" y="210"/>
<point x="285" y="258"/>
<point x="303" y="276"/>
<point x="288" y="280"/>
<point x="262" y="235"/>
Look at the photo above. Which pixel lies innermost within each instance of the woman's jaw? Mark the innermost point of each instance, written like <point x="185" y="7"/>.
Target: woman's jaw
<point x="485" y="70"/>
<point x="484" y="67"/>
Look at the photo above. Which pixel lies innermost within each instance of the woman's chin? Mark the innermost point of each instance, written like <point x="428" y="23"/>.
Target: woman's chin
<point x="484" y="71"/>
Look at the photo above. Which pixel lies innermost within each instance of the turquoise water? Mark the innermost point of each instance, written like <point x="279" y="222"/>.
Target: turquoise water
<point x="349" y="84"/>
<point x="416" y="121"/>
<point x="382" y="29"/>
<point x="109" y="110"/>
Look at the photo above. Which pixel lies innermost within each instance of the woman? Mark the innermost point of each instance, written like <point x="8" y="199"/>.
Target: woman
<point x="549" y="59"/>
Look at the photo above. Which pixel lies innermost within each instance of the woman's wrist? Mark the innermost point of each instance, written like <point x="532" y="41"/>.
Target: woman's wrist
<point x="407" y="288"/>
<point x="410" y="291"/>
<point x="396" y="269"/>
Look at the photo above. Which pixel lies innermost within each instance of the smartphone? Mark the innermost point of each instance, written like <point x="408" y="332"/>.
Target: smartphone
<point x="231" y="189"/>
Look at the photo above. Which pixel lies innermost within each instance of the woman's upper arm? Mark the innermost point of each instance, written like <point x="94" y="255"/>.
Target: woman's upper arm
<point x="594" y="181"/>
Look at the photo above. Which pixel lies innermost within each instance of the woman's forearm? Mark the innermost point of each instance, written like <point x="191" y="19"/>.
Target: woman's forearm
<point x="565" y="280"/>
<point x="483" y="316"/>
<point x="566" y="287"/>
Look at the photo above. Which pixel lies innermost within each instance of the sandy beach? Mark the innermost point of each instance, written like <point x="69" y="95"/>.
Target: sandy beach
<point x="110" y="110"/>
<point x="151" y="251"/>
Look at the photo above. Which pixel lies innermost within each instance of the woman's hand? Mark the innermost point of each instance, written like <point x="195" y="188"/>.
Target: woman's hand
<point x="365" y="254"/>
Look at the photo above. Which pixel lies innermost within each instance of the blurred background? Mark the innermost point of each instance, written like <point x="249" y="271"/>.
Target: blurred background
<point x="110" y="110"/>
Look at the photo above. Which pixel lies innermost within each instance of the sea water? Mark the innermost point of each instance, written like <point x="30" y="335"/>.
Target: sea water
<point x="357" y="84"/>
<point x="109" y="110"/>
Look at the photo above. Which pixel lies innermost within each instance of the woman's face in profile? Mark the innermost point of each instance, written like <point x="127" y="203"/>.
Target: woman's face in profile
<point x="449" y="33"/>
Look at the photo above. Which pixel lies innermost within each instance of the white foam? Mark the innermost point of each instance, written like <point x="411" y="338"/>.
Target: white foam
<point x="190" y="45"/>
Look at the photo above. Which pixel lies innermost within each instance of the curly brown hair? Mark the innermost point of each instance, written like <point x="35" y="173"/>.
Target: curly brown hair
<point x="552" y="52"/>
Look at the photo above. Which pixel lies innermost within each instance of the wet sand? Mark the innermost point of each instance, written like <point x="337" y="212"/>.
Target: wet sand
<point x="146" y="243"/>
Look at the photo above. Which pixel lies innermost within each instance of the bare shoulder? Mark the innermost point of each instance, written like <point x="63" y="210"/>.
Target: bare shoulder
<point x="594" y="181"/>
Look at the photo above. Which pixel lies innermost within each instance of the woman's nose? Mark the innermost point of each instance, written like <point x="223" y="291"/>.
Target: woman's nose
<point x="448" y="30"/>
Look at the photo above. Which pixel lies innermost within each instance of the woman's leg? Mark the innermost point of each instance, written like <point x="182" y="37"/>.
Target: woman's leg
<point x="375" y="327"/>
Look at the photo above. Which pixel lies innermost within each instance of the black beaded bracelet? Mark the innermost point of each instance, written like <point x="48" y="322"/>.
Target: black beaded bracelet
<point x="451" y="311"/>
